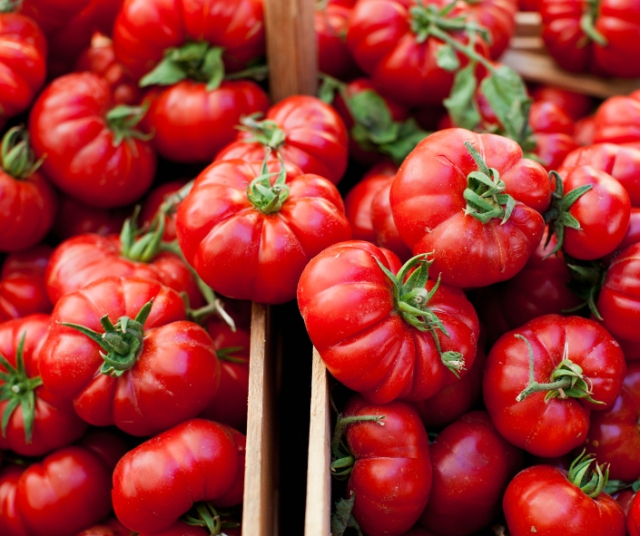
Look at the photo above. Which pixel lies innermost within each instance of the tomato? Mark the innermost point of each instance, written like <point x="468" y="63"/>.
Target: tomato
<point x="330" y="21"/>
<point x="391" y="468"/>
<point x="28" y="202"/>
<point x="83" y="259"/>
<point x="476" y="242"/>
<point x="614" y="437"/>
<point x="617" y="120"/>
<point x="303" y="130"/>
<point x="575" y="105"/>
<point x="146" y="379"/>
<point x="35" y="421"/>
<point x="94" y="153"/>
<point x="192" y="123"/>
<point x="364" y="324"/>
<point x="76" y="218"/>
<point x="357" y="203"/>
<point x="472" y="465"/>
<point x="247" y="244"/>
<point x="597" y="37"/>
<point x="547" y="501"/>
<point x="196" y="461"/>
<point x="52" y="15"/>
<point x="552" y="133"/>
<point x="497" y="16"/>
<point x="545" y="419"/>
<point x="111" y="527"/>
<point x="22" y="287"/>
<point x="23" y="52"/>
<point x="584" y="133"/>
<point x="152" y="202"/>
<point x="622" y="163"/>
<point x="63" y="494"/>
<point x="402" y="59"/>
<point x="384" y="226"/>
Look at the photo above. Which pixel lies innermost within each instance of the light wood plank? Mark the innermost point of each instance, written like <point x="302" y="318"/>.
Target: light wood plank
<point x="528" y="24"/>
<point x="291" y="48"/>
<point x="318" y="507"/>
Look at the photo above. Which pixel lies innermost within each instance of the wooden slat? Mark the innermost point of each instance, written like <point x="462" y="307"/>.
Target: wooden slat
<point x="528" y="24"/>
<point x="260" y="504"/>
<point x="318" y="507"/>
<point x="291" y="48"/>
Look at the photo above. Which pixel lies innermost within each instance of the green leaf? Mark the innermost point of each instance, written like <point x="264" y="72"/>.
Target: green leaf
<point x="461" y="103"/>
<point x="166" y="73"/>
<point x="342" y="518"/>
<point x="370" y="110"/>
<point x="213" y="68"/>
<point x="328" y="88"/>
<point x="409" y="135"/>
<point x="446" y="58"/>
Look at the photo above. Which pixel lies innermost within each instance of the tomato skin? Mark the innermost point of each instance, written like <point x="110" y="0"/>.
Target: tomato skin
<point x="428" y="207"/>
<point x="617" y="120"/>
<point x="619" y="300"/>
<point x="347" y="303"/>
<point x="197" y="460"/>
<point x="11" y="522"/>
<point x="603" y="213"/>
<point x="192" y="124"/>
<point x="391" y="477"/>
<point x="557" y="426"/>
<point x="499" y="17"/>
<point x="112" y="527"/>
<point x="51" y="15"/>
<point x="575" y="105"/>
<point x="316" y="138"/>
<point x="68" y="124"/>
<point x="330" y="23"/>
<point x="472" y="465"/>
<point x="23" y="53"/>
<point x="81" y="260"/>
<point x="176" y="355"/>
<point x="542" y="497"/>
<point x="152" y="202"/>
<point x="246" y="254"/>
<point x="384" y="226"/>
<point x="75" y="218"/>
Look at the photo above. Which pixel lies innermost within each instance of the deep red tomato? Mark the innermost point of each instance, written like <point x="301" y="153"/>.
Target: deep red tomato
<point x="552" y="133"/>
<point x="369" y="330"/>
<point x="28" y="202"/>
<point x="23" y="52"/>
<point x="548" y="117"/>
<point x="547" y="501"/>
<point x="585" y="130"/>
<point x="249" y="235"/>
<point x="617" y="120"/>
<point x="633" y="517"/>
<point x="152" y="203"/>
<point x="517" y="405"/>
<point x="303" y="130"/>
<point x="22" y="286"/>
<point x="331" y="22"/>
<point x="52" y="15"/>
<point x="61" y="495"/>
<point x="391" y="468"/>
<point x="437" y="205"/>
<point x="575" y="105"/>
<point x="111" y="527"/>
<point x="472" y="465"/>
<point x="35" y="421"/>
<point x="93" y="151"/>
<point x="497" y="16"/>
<point x="196" y="461"/>
<point x="384" y="226"/>
<point x="597" y="37"/>
<point x="401" y="61"/>
<point x="614" y="437"/>
<point x="622" y="163"/>
<point x="357" y="203"/>
<point x="76" y="218"/>
<point x="142" y="379"/>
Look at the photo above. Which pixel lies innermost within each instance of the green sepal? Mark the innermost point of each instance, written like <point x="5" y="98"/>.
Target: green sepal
<point x="372" y="117"/>
<point x="264" y="196"/>
<point x="409" y="134"/>
<point x="342" y="519"/>
<point x="10" y="6"/>
<point x="461" y="103"/>
<point x="447" y="59"/>
<point x="17" y="158"/>
<point x="588" y="22"/>
<point x="122" y="120"/>
<point x="591" y="481"/>
<point x="328" y="88"/>
<point x="265" y="132"/>
<point x="587" y="278"/>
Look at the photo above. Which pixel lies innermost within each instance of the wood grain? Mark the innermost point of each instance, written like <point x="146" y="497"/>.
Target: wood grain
<point x="318" y="507"/>
<point x="260" y="504"/>
<point x="291" y="48"/>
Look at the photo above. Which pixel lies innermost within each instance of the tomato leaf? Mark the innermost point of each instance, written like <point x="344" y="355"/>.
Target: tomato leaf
<point x="409" y="135"/>
<point x="166" y="73"/>
<point x="461" y="103"/>
<point x="447" y="59"/>
<point x="371" y="112"/>
<point x="342" y="519"/>
<point x="213" y="67"/>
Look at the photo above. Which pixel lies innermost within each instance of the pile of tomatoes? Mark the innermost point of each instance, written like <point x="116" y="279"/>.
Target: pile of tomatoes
<point x="479" y="278"/>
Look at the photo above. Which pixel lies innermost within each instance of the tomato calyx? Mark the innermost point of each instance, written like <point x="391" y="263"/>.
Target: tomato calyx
<point x="265" y="132"/>
<point x="567" y="380"/>
<point x="587" y="278"/>
<point x="342" y="518"/>
<point x="616" y="486"/>
<point x="590" y="483"/>
<point x="557" y="215"/>
<point x="588" y="23"/>
<point x="411" y="300"/>
<point x="343" y="459"/>
<point x="10" y="6"/>
<point x="484" y="192"/>
<point x="225" y="354"/>
<point x="206" y="516"/>
<point x="122" y="120"/>
<point x="19" y="390"/>
<point x="122" y="342"/>
<point x="264" y="196"/>
<point x="17" y="158"/>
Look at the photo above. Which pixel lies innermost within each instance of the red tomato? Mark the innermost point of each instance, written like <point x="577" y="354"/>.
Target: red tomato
<point x="75" y="218"/>
<point x="249" y="245"/>
<point x="617" y="120"/>
<point x="192" y="123"/>
<point x="432" y="214"/>
<point x="398" y="59"/>
<point x="23" y="52"/>
<point x="547" y="501"/>
<point x="364" y="326"/>
<point x="28" y="202"/>
<point x="51" y="422"/>
<point x="497" y="16"/>
<point x="330" y="22"/>
<point x="52" y="15"/>
<point x="384" y="226"/>
<point x="196" y="461"/>
<point x="92" y="154"/>
<point x="554" y="426"/>
<point x="575" y="105"/>
<point x="152" y="202"/>
<point x="584" y="133"/>
<point x="607" y="48"/>
<point x="111" y="527"/>
<point x="303" y="130"/>
<point x="391" y="474"/>
<point x="63" y="494"/>
<point x="22" y="287"/>
<point x="553" y="133"/>
<point x="472" y="465"/>
<point x="148" y="379"/>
